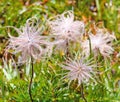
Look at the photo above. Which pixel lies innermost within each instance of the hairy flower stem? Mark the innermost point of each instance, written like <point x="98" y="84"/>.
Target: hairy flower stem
<point x="31" y="79"/>
<point x="82" y="93"/>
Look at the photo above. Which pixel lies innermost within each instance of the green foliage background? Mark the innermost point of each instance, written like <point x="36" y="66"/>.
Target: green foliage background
<point x="48" y="85"/>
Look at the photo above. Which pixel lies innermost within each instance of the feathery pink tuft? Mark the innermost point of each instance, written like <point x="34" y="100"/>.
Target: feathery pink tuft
<point x="64" y="27"/>
<point x="30" y="42"/>
<point x="79" y="70"/>
<point x="101" y="42"/>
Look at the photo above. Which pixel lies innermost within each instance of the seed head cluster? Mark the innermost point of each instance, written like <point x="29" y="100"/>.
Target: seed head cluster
<point x="31" y="43"/>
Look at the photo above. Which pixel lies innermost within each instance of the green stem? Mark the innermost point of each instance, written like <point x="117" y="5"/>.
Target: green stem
<point x="90" y="47"/>
<point x="98" y="8"/>
<point x="82" y="93"/>
<point x="31" y="80"/>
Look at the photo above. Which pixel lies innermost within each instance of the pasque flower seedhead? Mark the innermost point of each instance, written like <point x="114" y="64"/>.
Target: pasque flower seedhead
<point x="30" y="42"/>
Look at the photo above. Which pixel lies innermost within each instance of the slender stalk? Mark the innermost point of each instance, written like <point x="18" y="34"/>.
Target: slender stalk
<point x="77" y="3"/>
<point x="31" y="80"/>
<point x="67" y="45"/>
<point x="98" y="8"/>
<point x="90" y="47"/>
<point x="82" y="93"/>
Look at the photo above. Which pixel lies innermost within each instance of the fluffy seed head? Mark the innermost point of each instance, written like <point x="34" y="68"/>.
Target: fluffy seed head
<point x="65" y="27"/>
<point x="29" y="42"/>
<point x="79" y="70"/>
<point x="101" y="43"/>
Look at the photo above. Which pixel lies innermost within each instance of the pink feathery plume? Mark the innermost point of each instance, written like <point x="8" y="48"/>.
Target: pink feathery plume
<point x="79" y="69"/>
<point x="30" y="43"/>
<point x="101" y="43"/>
<point x="65" y="27"/>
